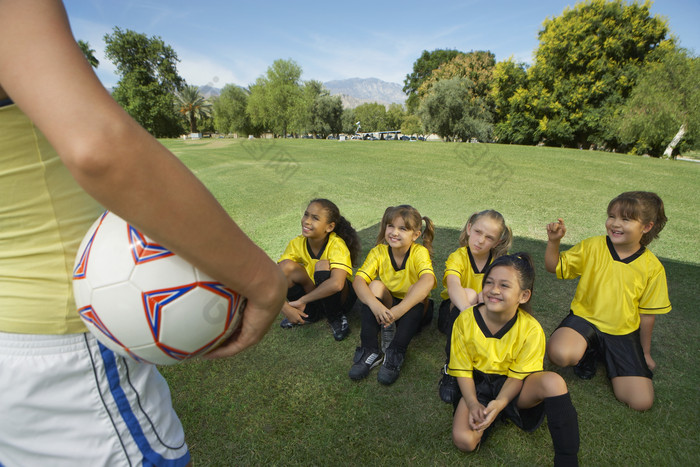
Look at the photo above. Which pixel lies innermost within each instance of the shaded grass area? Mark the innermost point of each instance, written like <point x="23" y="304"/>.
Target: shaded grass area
<point x="289" y="401"/>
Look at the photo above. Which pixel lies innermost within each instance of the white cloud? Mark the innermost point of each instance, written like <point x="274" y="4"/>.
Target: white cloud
<point x="200" y="70"/>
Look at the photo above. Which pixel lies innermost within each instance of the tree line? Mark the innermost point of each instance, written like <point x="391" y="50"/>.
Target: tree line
<point x="606" y="74"/>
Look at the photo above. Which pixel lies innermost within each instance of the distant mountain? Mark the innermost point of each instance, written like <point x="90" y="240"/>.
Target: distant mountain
<point x="209" y="91"/>
<point x="356" y="91"/>
<point x="352" y="92"/>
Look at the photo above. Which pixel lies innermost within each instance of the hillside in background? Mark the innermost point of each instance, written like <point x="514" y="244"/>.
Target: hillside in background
<point x="353" y="91"/>
<point x="356" y="91"/>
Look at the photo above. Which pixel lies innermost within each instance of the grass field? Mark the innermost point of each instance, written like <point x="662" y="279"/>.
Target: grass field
<point x="289" y="401"/>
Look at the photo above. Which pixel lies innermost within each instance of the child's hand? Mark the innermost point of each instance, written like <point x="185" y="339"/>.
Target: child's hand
<point x="388" y="318"/>
<point x="489" y="414"/>
<point x="294" y="312"/>
<point x="298" y="305"/>
<point x="650" y="361"/>
<point x="476" y="414"/>
<point x="556" y="230"/>
<point x="380" y="313"/>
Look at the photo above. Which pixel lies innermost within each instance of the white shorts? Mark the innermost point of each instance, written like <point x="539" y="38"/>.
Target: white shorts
<point x="67" y="400"/>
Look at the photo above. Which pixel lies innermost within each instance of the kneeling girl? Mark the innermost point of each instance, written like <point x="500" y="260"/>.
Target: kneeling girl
<point x="497" y="356"/>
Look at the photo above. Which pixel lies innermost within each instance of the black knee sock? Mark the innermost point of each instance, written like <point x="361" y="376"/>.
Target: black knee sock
<point x="563" y="426"/>
<point x="329" y="306"/>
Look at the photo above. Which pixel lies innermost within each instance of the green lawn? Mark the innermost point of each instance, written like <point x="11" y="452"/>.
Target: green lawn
<point x="289" y="400"/>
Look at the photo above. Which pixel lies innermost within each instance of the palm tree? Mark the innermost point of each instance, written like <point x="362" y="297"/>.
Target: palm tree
<point x="89" y="53"/>
<point x="193" y="105"/>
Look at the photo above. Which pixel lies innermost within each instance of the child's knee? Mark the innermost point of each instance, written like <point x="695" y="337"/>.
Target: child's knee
<point x="640" y="401"/>
<point x="558" y="354"/>
<point x="565" y="349"/>
<point x="464" y="442"/>
<point x="288" y="267"/>
<point x="553" y="384"/>
<point x="323" y="265"/>
<point x="636" y="392"/>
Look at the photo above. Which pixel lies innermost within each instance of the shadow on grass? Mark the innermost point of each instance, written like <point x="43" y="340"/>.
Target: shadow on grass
<point x="289" y="400"/>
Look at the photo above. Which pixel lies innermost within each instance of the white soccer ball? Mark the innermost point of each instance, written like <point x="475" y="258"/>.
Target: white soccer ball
<point x="144" y="302"/>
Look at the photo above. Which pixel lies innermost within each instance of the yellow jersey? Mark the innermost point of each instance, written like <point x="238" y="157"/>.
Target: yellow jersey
<point x="335" y="251"/>
<point x="515" y="351"/>
<point x="611" y="292"/>
<point x="397" y="278"/>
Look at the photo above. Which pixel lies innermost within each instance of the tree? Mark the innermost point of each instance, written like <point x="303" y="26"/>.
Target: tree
<point x="193" y="106"/>
<point x="327" y="115"/>
<point x="586" y="65"/>
<point x="275" y="97"/>
<point x="304" y="112"/>
<point x="230" y="114"/>
<point x="451" y="110"/>
<point x="509" y="78"/>
<point x="411" y="125"/>
<point x="372" y="117"/>
<point x="148" y="82"/>
<point x="348" y="122"/>
<point x="664" y="107"/>
<point x="89" y="53"/>
<point x="422" y="67"/>
<point x="476" y="66"/>
<point x="394" y="116"/>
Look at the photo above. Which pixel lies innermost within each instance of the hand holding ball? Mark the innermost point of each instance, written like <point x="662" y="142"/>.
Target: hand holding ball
<point x="142" y="301"/>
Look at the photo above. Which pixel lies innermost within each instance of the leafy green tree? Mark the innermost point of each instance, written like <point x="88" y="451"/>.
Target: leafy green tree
<point x="422" y="68"/>
<point x="193" y="106"/>
<point x="348" y="122"/>
<point x="394" y="116"/>
<point x="411" y="125"/>
<point x="229" y="111"/>
<point x="476" y="66"/>
<point x="664" y="106"/>
<point x="327" y="115"/>
<point x="372" y="117"/>
<point x="509" y="78"/>
<point x="451" y="110"/>
<point x="89" y="53"/>
<point x="149" y="80"/>
<point x="587" y="63"/>
<point x="276" y="96"/>
<point x="304" y="117"/>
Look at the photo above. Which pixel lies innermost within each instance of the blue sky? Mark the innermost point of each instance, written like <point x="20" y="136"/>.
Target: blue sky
<point x="229" y="41"/>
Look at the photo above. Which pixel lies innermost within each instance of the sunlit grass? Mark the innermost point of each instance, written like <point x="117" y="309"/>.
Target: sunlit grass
<point x="289" y="400"/>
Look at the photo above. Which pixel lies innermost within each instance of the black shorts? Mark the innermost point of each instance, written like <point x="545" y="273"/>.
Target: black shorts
<point x="487" y="388"/>
<point x="446" y="317"/>
<point x="623" y="355"/>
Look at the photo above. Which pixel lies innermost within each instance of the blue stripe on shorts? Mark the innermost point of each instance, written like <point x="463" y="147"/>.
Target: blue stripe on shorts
<point x="151" y="458"/>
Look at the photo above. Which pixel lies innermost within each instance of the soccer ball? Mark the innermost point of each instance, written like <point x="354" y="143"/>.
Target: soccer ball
<point x="144" y="302"/>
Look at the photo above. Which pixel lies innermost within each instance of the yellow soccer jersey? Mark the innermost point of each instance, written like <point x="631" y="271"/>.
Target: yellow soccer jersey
<point x="397" y="278"/>
<point x="515" y="351"/>
<point x="43" y="216"/>
<point x="461" y="263"/>
<point x="611" y="293"/>
<point x="335" y="251"/>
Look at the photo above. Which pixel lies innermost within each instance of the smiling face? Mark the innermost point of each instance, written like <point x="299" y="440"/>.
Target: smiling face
<point x="502" y="292"/>
<point x="624" y="232"/>
<point x="398" y="235"/>
<point x="314" y="222"/>
<point x="484" y="234"/>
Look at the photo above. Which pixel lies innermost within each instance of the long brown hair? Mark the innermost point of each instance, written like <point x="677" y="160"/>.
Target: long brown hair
<point x="343" y="228"/>
<point x="413" y="221"/>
